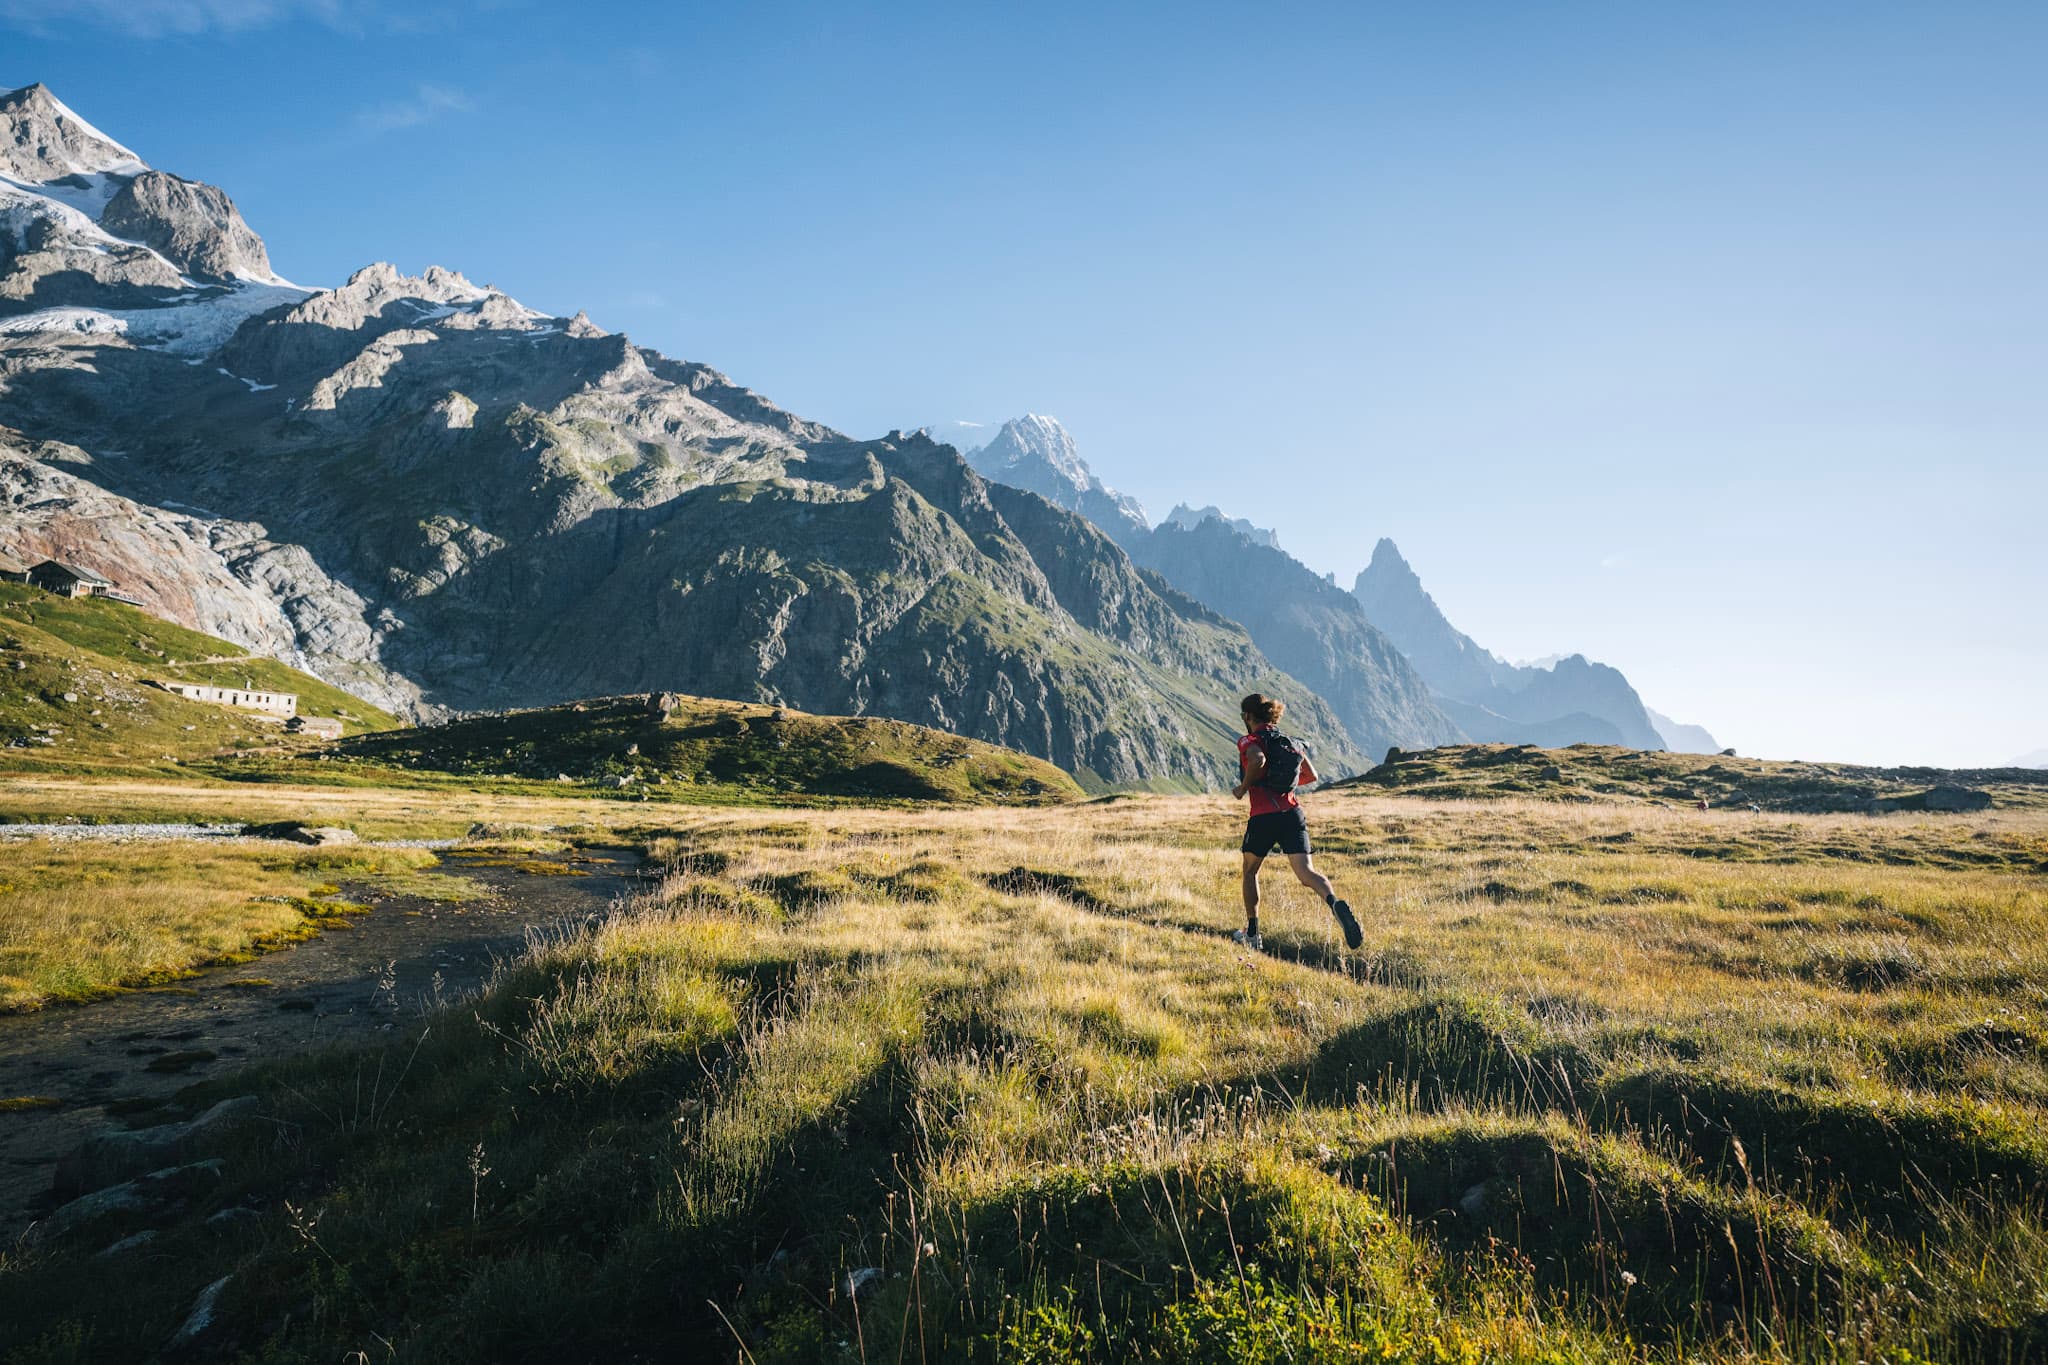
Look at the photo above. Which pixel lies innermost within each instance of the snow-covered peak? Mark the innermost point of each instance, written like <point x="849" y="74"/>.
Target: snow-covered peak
<point x="1035" y="452"/>
<point x="43" y="139"/>
<point x="1035" y="438"/>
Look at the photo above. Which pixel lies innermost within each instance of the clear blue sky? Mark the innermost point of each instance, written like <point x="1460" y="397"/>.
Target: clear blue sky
<point x="1711" y="340"/>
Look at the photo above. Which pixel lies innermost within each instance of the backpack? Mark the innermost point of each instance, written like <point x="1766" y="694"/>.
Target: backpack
<point x="1283" y="761"/>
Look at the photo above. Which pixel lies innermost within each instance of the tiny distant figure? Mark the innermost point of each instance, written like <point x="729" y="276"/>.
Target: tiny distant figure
<point x="1703" y="805"/>
<point x="1273" y="766"/>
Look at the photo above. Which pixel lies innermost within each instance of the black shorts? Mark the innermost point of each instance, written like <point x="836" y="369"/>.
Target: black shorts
<point x="1288" y="829"/>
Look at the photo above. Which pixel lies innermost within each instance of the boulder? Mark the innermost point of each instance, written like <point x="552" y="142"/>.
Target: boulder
<point x="1394" y="756"/>
<point x="1948" y="798"/>
<point x="1550" y="773"/>
<point x="201" y="1317"/>
<point x="154" y="1193"/>
<point x="114" y="1156"/>
<point x="661" y="703"/>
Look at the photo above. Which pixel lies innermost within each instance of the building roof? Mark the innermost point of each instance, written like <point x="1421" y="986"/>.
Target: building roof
<point x="73" y="571"/>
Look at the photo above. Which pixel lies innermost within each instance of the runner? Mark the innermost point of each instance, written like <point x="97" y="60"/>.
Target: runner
<point x="1273" y="766"/>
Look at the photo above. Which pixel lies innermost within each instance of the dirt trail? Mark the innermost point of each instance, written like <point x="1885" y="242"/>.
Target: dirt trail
<point x="346" y="985"/>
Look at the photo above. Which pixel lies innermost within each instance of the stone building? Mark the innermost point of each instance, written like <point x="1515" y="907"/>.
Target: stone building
<point x="273" y="703"/>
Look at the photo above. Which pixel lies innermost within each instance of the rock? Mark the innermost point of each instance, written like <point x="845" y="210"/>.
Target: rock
<point x="156" y="1192"/>
<point x="1394" y="755"/>
<point x="201" y="1317"/>
<point x="1946" y="798"/>
<point x="618" y="783"/>
<point x="195" y="226"/>
<point x="1473" y="1202"/>
<point x="854" y="1283"/>
<point x="633" y="750"/>
<point x="70" y="698"/>
<point x="292" y="831"/>
<point x="1727" y="753"/>
<point x="108" y="1157"/>
<point x="661" y="703"/>
<point x="1550" y="773"/>
<point x="231" y="1220"/>
<point x="140" y="1239"/>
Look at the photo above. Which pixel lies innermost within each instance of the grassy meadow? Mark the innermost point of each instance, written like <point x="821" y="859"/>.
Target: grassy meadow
<point x="1606" y="1083"/>
<point x="80" y="920"/>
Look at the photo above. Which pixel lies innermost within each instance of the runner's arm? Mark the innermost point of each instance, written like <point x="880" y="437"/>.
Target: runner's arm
<point x="1254" y="762"/>
<point x="1308" y="773"/>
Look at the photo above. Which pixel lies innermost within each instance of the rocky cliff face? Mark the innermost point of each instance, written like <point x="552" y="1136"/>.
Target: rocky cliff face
<point x="226" y="578"/>
<point x="1570" y="701"/>
<point x="446" y="500"/>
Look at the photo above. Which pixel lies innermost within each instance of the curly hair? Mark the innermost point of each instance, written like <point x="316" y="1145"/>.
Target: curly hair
<point x="1262" y="710"/>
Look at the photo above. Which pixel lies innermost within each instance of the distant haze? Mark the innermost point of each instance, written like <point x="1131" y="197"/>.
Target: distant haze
<point x="1703" y="341"/>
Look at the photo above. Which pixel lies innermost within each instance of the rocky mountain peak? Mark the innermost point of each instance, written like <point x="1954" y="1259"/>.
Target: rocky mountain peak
<point x="1037" y="454"/>
<point x="1189" y="518"/>
<point x="42" y="140"/>
<point x="1036" y="438"/>
<point x="196" y="227"/>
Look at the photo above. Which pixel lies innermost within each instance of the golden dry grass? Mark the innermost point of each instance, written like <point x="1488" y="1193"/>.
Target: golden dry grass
<point x="78" y="919"/>
<point x="1603" y="1084"/>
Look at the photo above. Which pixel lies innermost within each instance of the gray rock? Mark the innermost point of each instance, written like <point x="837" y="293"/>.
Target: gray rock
<point x="154" y="1193"/>
<point x="1947" y="798"/>
<point x="195" y="226"/>
<point x="113" y="1156"/>
<point x="200" y="1320"/>
<point x="1473" y="1202"/>
<point x="131" y="1243"/>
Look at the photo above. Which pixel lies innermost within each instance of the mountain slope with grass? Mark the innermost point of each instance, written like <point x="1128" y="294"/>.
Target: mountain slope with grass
<point x="1593" y="772"/>
<point x="74" y="693"/>
<point x="633" y="743"/>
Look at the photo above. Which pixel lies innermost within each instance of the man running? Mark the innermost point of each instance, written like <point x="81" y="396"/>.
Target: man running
<point x="1276" y="818"/>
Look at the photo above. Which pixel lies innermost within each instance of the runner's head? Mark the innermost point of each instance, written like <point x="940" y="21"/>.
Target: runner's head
<point x="1260" y="710"/>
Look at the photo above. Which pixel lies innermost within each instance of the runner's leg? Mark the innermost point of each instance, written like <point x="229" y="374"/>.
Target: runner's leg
<point x="1251" y="892"/>
<point x="1305" y="873"/>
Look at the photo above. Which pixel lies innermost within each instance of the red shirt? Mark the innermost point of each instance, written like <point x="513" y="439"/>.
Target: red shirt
<point x="1265" y="801"/>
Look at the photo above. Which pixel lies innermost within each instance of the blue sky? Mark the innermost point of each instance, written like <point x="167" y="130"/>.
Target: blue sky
<point x="1711" y="341"/>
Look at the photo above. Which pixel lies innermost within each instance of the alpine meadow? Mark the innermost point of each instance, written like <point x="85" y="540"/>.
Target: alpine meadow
<point x="518" y="847"/>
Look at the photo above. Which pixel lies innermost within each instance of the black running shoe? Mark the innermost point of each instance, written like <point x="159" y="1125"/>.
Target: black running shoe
<point x="1353" y="936"/>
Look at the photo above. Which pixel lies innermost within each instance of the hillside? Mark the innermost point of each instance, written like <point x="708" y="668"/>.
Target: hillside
<point x="1590" y="772"/>
<point x="625" y="742"/>
<point x="99" y="653"/>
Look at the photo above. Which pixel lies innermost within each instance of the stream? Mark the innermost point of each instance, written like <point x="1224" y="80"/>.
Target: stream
<point x="358" y="980"/>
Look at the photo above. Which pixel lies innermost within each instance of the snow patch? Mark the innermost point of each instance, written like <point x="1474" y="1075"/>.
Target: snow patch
<point x="196" y="328"/>
<point x="254" y="387"/>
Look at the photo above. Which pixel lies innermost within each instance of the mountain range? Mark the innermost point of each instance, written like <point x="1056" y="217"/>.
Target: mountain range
<point x="1384" y="655"/>
<point x="443" y="501"/>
